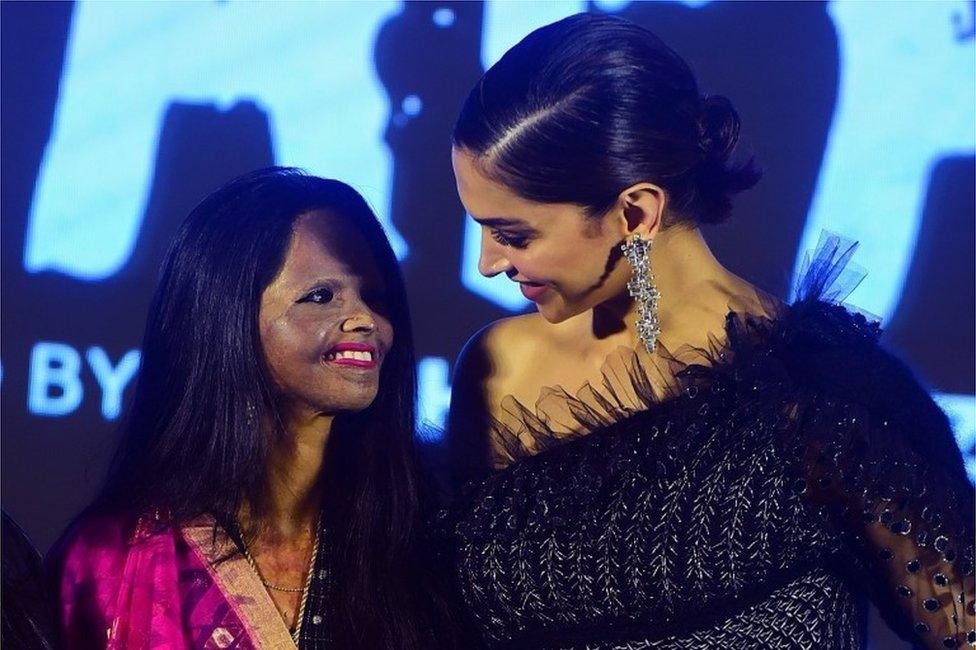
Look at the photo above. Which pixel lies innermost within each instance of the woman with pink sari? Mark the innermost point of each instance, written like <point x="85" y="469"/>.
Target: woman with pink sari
<point x="264" y="493"/>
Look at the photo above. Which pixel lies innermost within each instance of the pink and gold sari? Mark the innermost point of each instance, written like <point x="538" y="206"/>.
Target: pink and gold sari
<point x="161" y="590"/>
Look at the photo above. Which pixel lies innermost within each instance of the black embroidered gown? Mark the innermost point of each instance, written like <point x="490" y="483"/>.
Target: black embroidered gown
<point x="758" y="503"/>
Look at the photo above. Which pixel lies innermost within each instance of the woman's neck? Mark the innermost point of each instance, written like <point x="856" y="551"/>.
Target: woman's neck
<point x="289" y="503"/>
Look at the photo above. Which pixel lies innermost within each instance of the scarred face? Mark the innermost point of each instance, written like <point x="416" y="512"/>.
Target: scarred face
<point x="323" y="321"/>
<point x="564" y="261"/>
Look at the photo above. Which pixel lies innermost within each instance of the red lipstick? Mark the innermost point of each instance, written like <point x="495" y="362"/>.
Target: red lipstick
<point x="353" y="355"/>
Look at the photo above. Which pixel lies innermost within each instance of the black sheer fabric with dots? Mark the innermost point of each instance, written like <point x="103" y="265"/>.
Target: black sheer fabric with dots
<point x="314" y="634"/>
<point x="758" y="500"/>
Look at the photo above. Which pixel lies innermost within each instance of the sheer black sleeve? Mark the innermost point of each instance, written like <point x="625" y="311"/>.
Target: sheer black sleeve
<point x="882" y="467"/>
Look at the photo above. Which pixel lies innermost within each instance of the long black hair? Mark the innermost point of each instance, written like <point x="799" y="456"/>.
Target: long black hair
<point x="26" y="617"/>
<point x="192" y="442"/>
<point x="587" y="106"/>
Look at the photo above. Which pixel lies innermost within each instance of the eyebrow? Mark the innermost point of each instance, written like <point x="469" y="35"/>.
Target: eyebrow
<point x="339" y="280"/>
<point x="328" y="282"/>
<point x="499" y="221"/>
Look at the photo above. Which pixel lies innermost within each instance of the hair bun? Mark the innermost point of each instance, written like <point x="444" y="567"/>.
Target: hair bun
<point x="717" y="179"/>
<point x="718" y="128"/>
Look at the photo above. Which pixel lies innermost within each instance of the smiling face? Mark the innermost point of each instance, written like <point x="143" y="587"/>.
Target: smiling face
<point x="565" y="261"/>
<point x="322" y="320"/>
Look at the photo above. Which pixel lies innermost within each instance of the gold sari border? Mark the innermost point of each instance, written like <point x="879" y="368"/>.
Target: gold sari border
<point x="240" y="585"/>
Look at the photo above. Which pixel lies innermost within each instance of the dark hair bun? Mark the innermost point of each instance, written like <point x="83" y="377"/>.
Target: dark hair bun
<point x="717" y="179"/>
<point x="718" y="128"/>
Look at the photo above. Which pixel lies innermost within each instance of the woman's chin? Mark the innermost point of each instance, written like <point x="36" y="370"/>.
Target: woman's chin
<point x="351" y="402"/>
<point x="555" y="311"/>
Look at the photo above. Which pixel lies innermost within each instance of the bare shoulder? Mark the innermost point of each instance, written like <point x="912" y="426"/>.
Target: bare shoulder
<point x="747" y="298"/>
<point x="500" y="351"/>
<point x="514" y="336"/>
<point x="483" y="375"/>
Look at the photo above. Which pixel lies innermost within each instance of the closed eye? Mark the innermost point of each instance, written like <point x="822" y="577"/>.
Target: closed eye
<point x="509" y="239"/>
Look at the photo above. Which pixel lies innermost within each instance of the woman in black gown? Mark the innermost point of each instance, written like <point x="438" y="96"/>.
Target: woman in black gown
<point x="673" y="459"/>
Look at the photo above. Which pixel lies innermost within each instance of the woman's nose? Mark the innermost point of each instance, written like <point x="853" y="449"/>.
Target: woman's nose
<point x="361" y="321"/>
<point x="359" y="317"/>
<point x="492" y="260"/>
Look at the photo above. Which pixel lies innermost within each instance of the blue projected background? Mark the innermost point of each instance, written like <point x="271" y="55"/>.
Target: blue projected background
<point x="119" y="117"/>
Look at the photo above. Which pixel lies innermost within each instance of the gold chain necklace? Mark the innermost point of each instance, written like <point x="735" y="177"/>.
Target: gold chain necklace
<point x="296" y="631"/>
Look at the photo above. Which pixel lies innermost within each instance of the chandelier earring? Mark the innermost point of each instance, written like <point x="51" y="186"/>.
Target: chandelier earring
<point x="637" y="250"/>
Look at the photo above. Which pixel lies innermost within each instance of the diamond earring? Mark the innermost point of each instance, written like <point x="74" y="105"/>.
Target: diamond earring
<point x="641" y="287"/>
